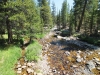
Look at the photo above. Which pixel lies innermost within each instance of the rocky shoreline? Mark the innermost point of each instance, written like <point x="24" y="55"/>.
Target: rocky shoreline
<point x="63" y="56"/>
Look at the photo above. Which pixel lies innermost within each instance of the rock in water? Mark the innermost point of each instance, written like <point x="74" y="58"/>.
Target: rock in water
<point x="98" y="68"/>
<point x="18" y="72"/>
<point x="90" y="65"/>
<point x="79" y="59"/>
<point x="78" y="56"/>
<point x="67" y="53"/>
<point x="98" y="62"/>
<point x="75" y="66"/>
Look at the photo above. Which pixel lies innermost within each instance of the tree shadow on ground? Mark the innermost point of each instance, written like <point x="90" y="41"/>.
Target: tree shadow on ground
<point x="72" y="45"/>
<point x="4" y="45"/>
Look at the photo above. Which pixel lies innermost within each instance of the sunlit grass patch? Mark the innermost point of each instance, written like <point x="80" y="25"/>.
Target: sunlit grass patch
<point x="5" y="36"/>
<point x="33" y="51"/>
<point x="8" y="58"/>
<point x="39" y="35"/>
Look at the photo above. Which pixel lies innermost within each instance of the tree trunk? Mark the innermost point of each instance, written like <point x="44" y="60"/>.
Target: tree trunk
<point x="9" y="30"/>
<point x="81" y="19"/>
<point x="75" y="23"/>
<point x="91" y="25"/>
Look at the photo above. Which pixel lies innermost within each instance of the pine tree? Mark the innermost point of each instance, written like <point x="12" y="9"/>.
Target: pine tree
<point x="82" y="15"/>
<point x="59" y="21"/>
<point x="72" y="25"/>
<point x="54" y="13"/>
<point x="64" y="14"/>
<point x="39" y="3"/>
<point x="46" y="14"/>
<point x="2" y="19"/>
<point x="22" y="18"/>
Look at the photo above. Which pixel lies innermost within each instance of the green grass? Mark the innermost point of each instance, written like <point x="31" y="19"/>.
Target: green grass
<point x="10" y="54"/>
<point x="33" y="51"/>
<point x="8" y="58"/>
<point x="39" y="35"/>
<point x="91" y="40"/>
<point x="5" y="36"/>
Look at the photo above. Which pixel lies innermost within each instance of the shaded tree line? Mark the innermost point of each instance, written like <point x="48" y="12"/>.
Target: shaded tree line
<point x="86" y="16"/>
<point x="21" y="18"/>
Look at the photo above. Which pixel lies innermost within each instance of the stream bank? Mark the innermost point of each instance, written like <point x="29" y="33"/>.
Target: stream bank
<point x="64" y="56"/>
<point x="69" y="56"/>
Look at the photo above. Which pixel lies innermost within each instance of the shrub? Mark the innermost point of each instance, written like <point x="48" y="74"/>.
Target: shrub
<point x="65" y="33"/>
<point x="88" y="39"/>
<point x="33" y="51"/>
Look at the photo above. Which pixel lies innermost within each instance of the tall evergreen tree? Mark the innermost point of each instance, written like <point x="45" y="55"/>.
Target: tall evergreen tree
<point x="64" y="13"/>
<point x="21" y="18"/>
<point x="39" y="3"/>
<point x="59" y="20"/>
<point x="2" y="19"/>
<point x="82" y="15"/>
<point x="85" y="15"/>
<point x="72" y="25"/>
<point x="45" y="13"/>
<point x="54" y="13"/>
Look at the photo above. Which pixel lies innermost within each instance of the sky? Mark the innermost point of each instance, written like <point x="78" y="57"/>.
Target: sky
<point x="58" y="3"/>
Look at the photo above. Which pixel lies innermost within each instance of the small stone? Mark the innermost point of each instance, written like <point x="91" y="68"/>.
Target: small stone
<point x="39" y="74"/>
<point x="34" y="73"/>
<point x="67" y="62"/>
<point x="64" y="72"/>
<point x="50" y="71"/>
<point x="28" y="64"/>
<point x="99" y="53"/>
<point x="78" y="56"/>
<point x="79" y="59"/>
<point x="84" y="57"/>
<point x="91" y="52"/>
<point x="25" y="64"/>
<point x="98" y="62"/>
<point x="50" y="74"/>
<point x="18" y="66"/>
<point x="98" y="68"/>
<point x="18" y="72"/>
<point x="96" y="59"/>
<point x="32" y="64"/>
<point x="24" y="67"/>
<point x="75" y="66"/>
<point x="18" y="63"/>
<point x="67" y="53"/>
<point x="29" y="70"/>
<point x="58" y="72"/>
<point x="54" y="70"/>
<point x="19" y="69"/>
<point x="79" y="51"/>
<point x="90" y="65"/>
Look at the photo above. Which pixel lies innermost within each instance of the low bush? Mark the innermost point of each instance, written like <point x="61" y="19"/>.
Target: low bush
<point x="33" y="51"/>
<point x="91" y="40"/>
<point x="65" y="33"/>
